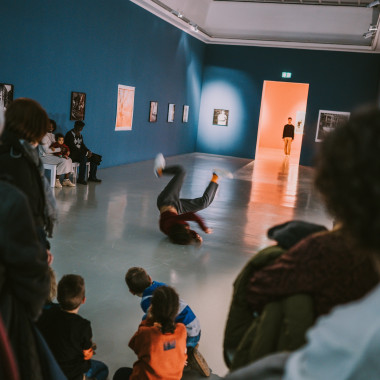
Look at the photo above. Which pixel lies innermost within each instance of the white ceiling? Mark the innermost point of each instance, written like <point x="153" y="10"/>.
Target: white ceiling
<point x="306" y="24"/>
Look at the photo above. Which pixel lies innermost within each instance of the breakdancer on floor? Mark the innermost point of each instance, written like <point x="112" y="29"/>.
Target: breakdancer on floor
<point x="176" y="212"/>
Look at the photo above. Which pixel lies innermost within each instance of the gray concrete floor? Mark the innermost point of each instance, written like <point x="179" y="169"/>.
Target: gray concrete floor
<point x="106" y="228"/>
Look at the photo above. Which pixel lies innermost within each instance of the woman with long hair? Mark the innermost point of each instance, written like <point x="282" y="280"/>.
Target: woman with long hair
<point x="26" y="123"/>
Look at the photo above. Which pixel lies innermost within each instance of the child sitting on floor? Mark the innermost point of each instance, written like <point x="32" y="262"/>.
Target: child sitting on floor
<point x="60" y="143"/>
<point x="159" y="343"/>
<point x="68" y="335"/>
<point x="140" y="284"/>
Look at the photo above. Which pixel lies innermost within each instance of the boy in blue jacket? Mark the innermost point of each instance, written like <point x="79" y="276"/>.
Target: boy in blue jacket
<point x="141" y="284"/>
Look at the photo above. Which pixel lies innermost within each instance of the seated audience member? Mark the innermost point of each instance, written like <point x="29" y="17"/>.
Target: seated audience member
<point x="345" y="343"/>
<point x="69" y="335"/>
<point x="282" y="324"/>
<point x="159" y="343"/>
<point x="63" y="150"/>
<point x="48" y="151"/>
<point x="80" y="153"/>
<point x="141" y="284"/>
<point x="26" y="123"/>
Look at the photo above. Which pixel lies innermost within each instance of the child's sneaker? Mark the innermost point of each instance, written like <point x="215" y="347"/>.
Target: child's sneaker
<point x="57" y="183"/>
<point x="198" y="362"/>
<point x="223" y="173"/>
<point x="159" y="164"/>
<point x="67" y="182"/>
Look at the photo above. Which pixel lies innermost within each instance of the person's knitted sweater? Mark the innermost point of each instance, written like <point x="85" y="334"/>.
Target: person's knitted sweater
<point x="65" y="151"/>
<point x="326" y="266"/>
<point x="168" y="219"/>
<point x="288" y="131"/>
<point x="185" y="314"/>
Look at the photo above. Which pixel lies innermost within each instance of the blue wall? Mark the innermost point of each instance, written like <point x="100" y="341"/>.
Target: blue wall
<point x="233" y="79"/>
<point x="50" y="48"/>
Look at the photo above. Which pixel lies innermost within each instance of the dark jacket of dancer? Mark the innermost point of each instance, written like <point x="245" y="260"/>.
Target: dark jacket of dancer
<point x="176" y="212"/>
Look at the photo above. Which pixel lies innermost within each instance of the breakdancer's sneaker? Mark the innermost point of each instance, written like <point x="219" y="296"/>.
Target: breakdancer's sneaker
<point x="223" y="173"/>
<point x="159" y="164"/>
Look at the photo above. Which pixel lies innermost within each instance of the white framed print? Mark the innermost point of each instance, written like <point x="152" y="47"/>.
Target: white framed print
<point x="185" y="114"/>
<point x="124" y="111"/>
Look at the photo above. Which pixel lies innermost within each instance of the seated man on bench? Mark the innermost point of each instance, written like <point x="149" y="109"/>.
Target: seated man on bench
<point x="81" y="154"/>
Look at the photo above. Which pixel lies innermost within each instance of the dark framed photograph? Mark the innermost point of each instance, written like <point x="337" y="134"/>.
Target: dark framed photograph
<point x="6" y="95"/>
<point x="328" y="121"/>
<point x="220" y="117"/>
<point x="185" y="114"/>
<point x="171" y="110"/>
<point x="78" y="105"/>
<point x="153" y="109"/>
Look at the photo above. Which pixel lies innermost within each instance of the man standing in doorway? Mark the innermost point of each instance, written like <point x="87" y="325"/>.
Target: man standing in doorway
<point x="288" y="136"/>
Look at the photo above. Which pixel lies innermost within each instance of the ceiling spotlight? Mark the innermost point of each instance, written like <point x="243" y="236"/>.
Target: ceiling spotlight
<point x="177" y="13"/>
<point x="373" y="4"/>
<point x="194" y="27"/>
<point x="369" y="34"/>
<point x="371" y="31"/>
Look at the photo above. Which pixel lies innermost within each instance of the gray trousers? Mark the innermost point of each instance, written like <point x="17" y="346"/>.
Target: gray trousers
<point x="170" y="195"/>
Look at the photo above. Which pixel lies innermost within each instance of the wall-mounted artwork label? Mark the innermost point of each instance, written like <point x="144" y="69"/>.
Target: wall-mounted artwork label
<point x="328" y="121"/>
<point x="6" y="95"/>
<point x="185" y="114"/>
<point x="125" y="104"/>
<point x="300" y="122"/>
<point x="220" y="117"/>
<point x="153" y="109"/>
<point x="78" y="105"/>
<point x="171" y="111"/>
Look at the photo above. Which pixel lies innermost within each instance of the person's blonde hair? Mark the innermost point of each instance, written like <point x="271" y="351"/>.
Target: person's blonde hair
<point x="53" y="285"/>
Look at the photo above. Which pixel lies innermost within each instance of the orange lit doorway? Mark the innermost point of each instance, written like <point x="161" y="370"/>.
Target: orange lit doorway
<point x="279" y="101"/>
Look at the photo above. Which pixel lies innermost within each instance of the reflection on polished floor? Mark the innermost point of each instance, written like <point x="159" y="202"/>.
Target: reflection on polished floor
<point x="106" y="228"/>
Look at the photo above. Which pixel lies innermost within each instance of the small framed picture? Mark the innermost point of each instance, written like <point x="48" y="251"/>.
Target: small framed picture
<point x="78" y="105"/>
<point x="171" y="110"/>
<point x="153" y="112"/>
<point x="220" y="117"/>
<point x="185" y="114"/>
<point x="6" y="95"/>
<point x="328" y="121"/>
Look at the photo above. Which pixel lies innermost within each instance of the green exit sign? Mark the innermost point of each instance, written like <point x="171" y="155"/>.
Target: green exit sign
<point x="286" y="75"/>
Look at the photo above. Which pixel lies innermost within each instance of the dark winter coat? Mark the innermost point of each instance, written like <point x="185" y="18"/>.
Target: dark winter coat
<point x="24" y="278"/>
<point x="282" y="325"/>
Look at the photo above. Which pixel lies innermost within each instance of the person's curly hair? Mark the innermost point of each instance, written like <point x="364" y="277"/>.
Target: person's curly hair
<point x="348" y="176"/>
<point x="164" y="308"/>
<point x="180" y="234"/>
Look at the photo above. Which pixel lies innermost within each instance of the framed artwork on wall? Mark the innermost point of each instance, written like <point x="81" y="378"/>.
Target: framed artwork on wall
<point x="125" y="104"/>
<point x="78" y="105"/>
<point x="328" y="121"/>
<point x="220" y="117"/>
<point x="171" y="110"/>
<point x="6" y="95"/>
<point x="153" y="109"/>
<point x="300" y="122"/>
<point x="185" y="114"/>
